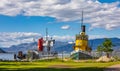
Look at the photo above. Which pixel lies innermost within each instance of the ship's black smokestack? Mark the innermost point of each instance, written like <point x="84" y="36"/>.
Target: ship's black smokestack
<point x="83" y="28"/>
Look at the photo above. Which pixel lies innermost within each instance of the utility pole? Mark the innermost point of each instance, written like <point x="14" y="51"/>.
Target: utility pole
<point x="47" y="42"/>
<point x="62" y="54"/>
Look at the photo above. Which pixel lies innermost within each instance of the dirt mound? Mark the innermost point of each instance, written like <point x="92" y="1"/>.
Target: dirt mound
<point x="105" y="59"/>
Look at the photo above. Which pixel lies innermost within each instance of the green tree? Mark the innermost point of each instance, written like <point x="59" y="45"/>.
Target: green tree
<point x="100" y="50"/>
<point x="106" y="47"/>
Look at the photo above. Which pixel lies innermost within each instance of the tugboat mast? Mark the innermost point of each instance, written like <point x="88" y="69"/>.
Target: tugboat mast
<point x="82" y="20"/>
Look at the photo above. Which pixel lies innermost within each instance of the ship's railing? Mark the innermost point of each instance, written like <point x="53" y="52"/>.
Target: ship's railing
<point x="85" y="52"/>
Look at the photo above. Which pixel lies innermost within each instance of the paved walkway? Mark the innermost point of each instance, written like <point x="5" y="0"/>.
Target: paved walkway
<point x="113" y="68"/>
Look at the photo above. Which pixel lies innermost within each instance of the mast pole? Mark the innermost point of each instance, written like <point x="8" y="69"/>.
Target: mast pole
<point x="46" y="33"/>
<point x="82" y="20"/>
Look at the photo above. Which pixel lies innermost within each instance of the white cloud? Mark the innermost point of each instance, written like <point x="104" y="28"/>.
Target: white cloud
<point x="64" y="38"/>
<point x="8" y="39"/>
<point x="15" y="38"/>
<point x="71" y="39"/>
<point x="97" y="36"/>
<point x="65" y="27"/>
<point x="97" y="14"/>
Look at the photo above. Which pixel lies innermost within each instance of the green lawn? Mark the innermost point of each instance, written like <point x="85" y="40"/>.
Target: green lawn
<point x="45" y="66"/>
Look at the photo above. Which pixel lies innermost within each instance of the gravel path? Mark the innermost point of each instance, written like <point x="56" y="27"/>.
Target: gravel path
<point x="113" y="68"/>
<point x="60" y="66"/>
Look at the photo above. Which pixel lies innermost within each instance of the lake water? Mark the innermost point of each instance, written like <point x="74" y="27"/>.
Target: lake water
<point x="10" y="56"/>
<point x="7" y="56"/>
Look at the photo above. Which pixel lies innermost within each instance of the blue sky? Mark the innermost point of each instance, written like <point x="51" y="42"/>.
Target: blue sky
<point x="108" y="1"/>
<point x="24" y="19"/>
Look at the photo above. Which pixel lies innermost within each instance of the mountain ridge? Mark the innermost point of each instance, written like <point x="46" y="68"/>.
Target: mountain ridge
<point x="59" y="46"/>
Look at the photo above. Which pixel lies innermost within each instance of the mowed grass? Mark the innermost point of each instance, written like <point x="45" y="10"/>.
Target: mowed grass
<point x="47" y="66"/>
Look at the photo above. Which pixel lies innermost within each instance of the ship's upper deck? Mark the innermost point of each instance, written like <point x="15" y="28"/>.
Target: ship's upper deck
<point x="81" y="37"/>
